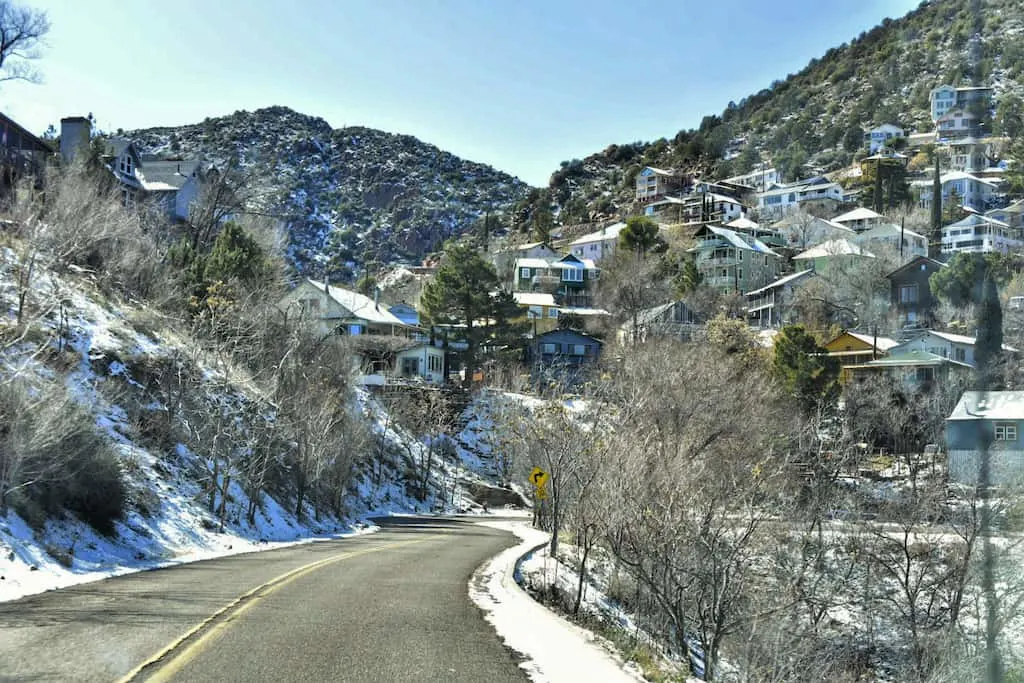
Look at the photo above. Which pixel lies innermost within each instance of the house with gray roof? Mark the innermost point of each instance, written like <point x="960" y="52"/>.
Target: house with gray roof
<point x="989" y="420"/>
<point x="733" y="261"/>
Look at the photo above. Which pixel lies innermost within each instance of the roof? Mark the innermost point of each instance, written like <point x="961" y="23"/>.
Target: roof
<point x="887" y="229"/>
<point x="836" y="247"/>
<point x="957" y="338"/>
<point x="742" y="223"/>
<point x="781" y="281"/>
<point x="360" y="306"/>
<point x="571" y="333"/>
<point x="609" y="233"/>
<point x="974" y="220"/>
<point x="911" y="357"/>
<point x="859" y="214"/>
<point x="534" y="298"/>
<point x="657" y="171"/>
<point x="881" y="343"/>
<point x="582" y="311"/>
<point x="734" y="239"/>
<point x="989" y="405"/>
<point x="25" y="139"/>
<point x="166" y="175"/>
<point x="531" y="262"/>
<point x="715" y="197"/>
<point x="917" y="260"/>
<point x="797" y="187"/>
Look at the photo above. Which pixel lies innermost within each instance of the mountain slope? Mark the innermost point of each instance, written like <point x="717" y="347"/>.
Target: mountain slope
<point x="349" y="195"/>
<point x="817" y="116"/>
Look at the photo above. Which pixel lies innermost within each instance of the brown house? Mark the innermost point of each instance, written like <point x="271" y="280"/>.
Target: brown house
<point x="910" y="293"/>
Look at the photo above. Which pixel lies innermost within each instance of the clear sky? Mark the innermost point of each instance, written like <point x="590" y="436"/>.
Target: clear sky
<point x="519" y="84"/>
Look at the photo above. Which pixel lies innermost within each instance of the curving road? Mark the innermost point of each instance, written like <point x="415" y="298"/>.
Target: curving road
<point x="391" y="606"/>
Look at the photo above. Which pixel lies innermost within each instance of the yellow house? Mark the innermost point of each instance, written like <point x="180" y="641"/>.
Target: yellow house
<point x="854" y="348"/>
<point x="539" y="308"/>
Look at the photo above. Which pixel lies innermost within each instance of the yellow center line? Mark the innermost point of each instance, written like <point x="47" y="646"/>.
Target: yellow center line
<point x="233" y="610"/>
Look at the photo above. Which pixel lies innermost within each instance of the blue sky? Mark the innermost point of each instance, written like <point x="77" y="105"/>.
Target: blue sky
<point x="520" y="85"/>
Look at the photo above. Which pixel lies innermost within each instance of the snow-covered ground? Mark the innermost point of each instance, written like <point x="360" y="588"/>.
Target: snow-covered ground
<point x="554" y="649"/>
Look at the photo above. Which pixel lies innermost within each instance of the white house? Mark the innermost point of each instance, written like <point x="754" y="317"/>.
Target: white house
<point x="943" y="98"/>
<point x="980" y="233"/>
<point x="1012" y="215"/>
<point x="906" y="242"/>
<point x="341" y="311"/>
<point x="778" y="201"/>
<point x="969" y="155"/>
<point x="946" y="97"/>
<point x="970" y="190"/>
<point x="859" y="219"/>
<point x="957" y="347"/>
<point x="882" y="136"/>
<point x="654" y="183"/>
<point x="801" y="230"/>
<point x="422" y="361"/>
<point x="957" y="123"/>
<point x="596" y="245"/>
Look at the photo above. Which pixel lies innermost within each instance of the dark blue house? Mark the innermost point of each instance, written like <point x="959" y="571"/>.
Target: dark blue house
<point x="994" y="419"/>
<point x="563" y="357"/>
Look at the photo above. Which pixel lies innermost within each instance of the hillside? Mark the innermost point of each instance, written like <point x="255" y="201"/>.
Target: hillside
<point x="349" y="195"/>
<point x="813" y="120"/>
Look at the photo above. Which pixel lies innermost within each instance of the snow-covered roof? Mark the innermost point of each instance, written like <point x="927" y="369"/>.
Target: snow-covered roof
<point x="659" y="171"/>
<point x="716" y="197"/>
<point x="974" y="220"/>
<point x="881" y="343"/>
<point x="582" y="311"/>
<point x="534" y="298"/>
<point x="961" y="339"/>
<point x="609" y="233"/>
<point x="909" y="357"/>
<point x="888" y="230"/>
<point x="532" y="262"/>
<point x="797" y="187"/>
<point x="859" y="214"/>
<point x="836" y="247"/>
<point x="954" y="176"/>
<point x="742" y="223"/>
<point x="781" y="281"/>
<point x="734" y="239"/>
<point x="362" y="307"/>
<point x="989" y="405"/>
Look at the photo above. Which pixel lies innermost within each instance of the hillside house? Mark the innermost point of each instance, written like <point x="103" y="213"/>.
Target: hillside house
<point x="759" y="181"/>
<point x="674" y="320"/>
<point x="800" y="231"/>
<point x="734" y="262"/>
<point x="855" y="348"/>
<point x="917" y="370"/>
<point x="993" y="420"/>
<point x="958" y="123"/>
<point x="859" y="219"/>
<point x="945" y="98"/>
<point x="906" y="243"/>
<point x="969" y="155"/>
<point x="407" y="313"/>
<point x="170" y="185"/>
<point x="562" y="357"/>
<point x="771" y="306"/>
<point x="979" y="233"/>
<point x="597" y="245"/>
<point x="570" y="279"/>
<point x="834" y="255"/>
<point x="655" y="183"/>
<point x="910" y="294"/>
<point x="539" y="307"/>
<point x="882" y="136"/>
<point x="21" y="152"/>
<point x="335" y="310"/>
<point x="959" y="189"/>
<point x="1012" y="215"/>
<point x="957" y="347"/>
<point x="815" y="193"/>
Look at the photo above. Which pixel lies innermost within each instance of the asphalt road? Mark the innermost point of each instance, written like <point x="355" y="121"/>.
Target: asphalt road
<point x="390" y="606"/>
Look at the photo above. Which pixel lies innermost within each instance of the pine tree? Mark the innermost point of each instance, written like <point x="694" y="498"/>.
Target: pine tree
<point x="935" y="243"/>
<point x="809" y="375"/>
<point x="641" y="235"/>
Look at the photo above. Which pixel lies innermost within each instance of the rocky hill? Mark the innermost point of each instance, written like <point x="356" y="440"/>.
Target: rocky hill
<point x="813" y="121"/>
<point x="348" y="195"/>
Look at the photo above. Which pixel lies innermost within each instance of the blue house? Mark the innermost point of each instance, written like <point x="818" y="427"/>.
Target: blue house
<point x="563" y="357"/>
<point x="994" y="419"/>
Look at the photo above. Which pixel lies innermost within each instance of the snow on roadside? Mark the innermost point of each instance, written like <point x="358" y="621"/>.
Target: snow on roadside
<point x="555" y="650"/>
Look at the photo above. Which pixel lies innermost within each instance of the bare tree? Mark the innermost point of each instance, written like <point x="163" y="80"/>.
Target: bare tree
<point x="22" y="30"/>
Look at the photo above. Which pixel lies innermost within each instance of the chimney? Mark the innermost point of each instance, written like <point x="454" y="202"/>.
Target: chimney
<point x="74" y="136"/>
<point x="376" y="298"/>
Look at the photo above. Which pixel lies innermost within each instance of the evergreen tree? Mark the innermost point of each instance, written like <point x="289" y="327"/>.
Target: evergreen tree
<point x="935" y="242"/>
<point x="807" y="374"/>
<point x="989" y="344"/>
<point x="641" y="235"/>
<point x="466" y="291"/>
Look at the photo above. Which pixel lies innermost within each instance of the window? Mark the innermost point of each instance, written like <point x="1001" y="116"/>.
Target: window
<point x="309" y="306"/>
<point x="434" y="363"/>
<point x="579" y="349"/>
<point x="1006" y="431"/>
<point x="572" y="275"/>
<point x="128" y="197"/>
<point x="524" y="273"/>
<point x="908" y="294"/>
<point x="549" y="348"/>
<point x="552" y="312"/>
<point x="766" y="259"/>
<point x="410" y="367"/>
<point x="125" y="165"/>
<point x="959" y="355"/>
<point x="741" y="254"/>
<point x="739" y="273"/>
<point x="924" y="374"/>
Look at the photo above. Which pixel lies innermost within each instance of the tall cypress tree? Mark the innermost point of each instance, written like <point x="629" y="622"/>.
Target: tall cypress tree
<point x="935" y="243"/>
<point x="989" y="344"/>
<point x="878" y="186"/>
